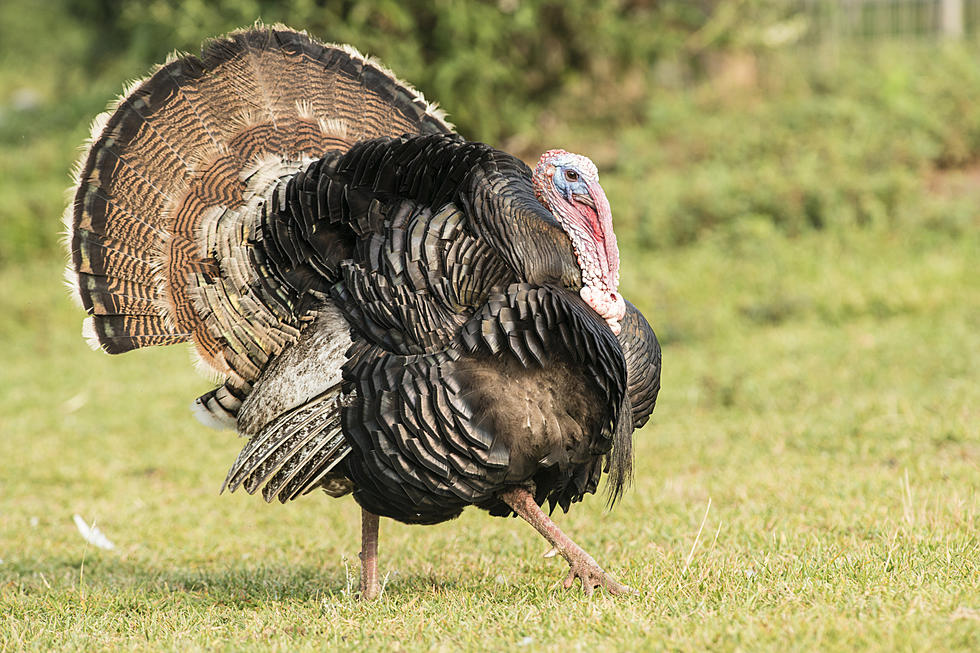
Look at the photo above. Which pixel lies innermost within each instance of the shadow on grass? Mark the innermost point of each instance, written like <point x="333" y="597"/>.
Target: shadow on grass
<point x="241" y="585"/>
<point x="221" y="583"/>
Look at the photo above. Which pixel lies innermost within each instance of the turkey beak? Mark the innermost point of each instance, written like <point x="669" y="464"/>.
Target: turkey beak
<point x="584" y="198"/>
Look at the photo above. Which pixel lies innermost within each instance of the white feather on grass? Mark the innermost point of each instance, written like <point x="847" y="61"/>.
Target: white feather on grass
<point x="92" y="534"/>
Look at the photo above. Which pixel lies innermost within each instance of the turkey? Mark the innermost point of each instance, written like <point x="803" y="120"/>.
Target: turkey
<point x="391" y="311"/>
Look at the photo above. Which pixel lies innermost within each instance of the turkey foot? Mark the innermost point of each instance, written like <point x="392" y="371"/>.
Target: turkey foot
<point x="370" y="588"/>
<point x="591" y="574"/>
<point x="582" y="565"/>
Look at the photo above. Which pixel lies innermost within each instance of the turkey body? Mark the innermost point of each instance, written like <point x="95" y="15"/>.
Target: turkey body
<point x="394" y="310"/>
<point x="465" y="375"/>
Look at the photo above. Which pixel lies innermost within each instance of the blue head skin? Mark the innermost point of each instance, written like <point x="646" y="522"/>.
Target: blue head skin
<point x="571" y="184"/>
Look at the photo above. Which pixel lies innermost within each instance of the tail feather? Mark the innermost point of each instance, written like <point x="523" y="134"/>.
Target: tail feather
<point x="115" y="334"/>
<point x="99" y="290"/>
<point x="119" y="300"/>
<point x="175" y="175"/>
<point x="103" y="257"/>
<point x="293" y="453"/>
<point x="116" y="217"/>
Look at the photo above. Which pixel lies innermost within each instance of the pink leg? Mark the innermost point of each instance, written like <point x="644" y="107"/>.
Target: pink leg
<point x="583" y="566"/>
<point x="370" y="589"/>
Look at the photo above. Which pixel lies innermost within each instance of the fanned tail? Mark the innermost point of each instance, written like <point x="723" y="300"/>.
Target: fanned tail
<point x="197" y="140"/>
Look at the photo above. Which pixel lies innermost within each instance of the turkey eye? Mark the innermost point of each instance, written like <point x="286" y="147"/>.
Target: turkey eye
<point x="571" y="175"/>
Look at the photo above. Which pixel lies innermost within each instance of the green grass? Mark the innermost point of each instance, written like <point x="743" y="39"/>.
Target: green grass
<point x="820" y="391"/>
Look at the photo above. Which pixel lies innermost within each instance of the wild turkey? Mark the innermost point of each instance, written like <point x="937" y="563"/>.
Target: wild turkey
<point x="394" y="311"/>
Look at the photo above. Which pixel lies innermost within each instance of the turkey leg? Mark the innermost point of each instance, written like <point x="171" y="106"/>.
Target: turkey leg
<point x="370" y="589"/>
<point x="583" y="566"/>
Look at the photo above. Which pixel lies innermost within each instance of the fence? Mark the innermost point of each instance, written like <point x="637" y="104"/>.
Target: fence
<point x="874" y="19"/>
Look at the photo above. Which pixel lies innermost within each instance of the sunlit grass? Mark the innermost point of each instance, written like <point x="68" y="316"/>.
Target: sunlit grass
<point x="820" y="392"/>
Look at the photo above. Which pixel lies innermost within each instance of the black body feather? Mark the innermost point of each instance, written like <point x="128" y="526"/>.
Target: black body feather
<point x="393" y="311"/>
<point x="475" y="366"/>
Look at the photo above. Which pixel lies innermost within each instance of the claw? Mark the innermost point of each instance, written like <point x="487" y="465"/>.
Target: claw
<point x="569" y="580"/>
<point x="592" y="576"/>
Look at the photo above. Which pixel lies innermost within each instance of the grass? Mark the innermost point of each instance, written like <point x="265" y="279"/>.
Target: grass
<point x="820" y="394"/>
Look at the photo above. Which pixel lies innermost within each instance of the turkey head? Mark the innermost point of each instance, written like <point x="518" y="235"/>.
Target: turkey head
<point x="568" y="186"/>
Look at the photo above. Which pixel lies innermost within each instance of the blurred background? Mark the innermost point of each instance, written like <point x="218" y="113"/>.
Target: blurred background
<point x="706" y="116"/>
<point x="795" y="186"/>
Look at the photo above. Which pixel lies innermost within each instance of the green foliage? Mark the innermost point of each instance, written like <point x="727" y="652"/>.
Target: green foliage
<point x="494" y="63"/>
<point x="812" y="140"/>
<point x="866" y="139"/>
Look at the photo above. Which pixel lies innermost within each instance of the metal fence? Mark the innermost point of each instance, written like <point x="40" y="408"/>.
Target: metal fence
<point x="876" y="19"/>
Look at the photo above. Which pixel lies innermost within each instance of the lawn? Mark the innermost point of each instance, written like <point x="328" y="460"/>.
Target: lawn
<point x="809" y="481"/>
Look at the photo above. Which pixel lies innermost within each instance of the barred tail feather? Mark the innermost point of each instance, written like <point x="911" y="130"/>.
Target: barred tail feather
<point x="294" y="453"/>
<point x="175" y="153"/>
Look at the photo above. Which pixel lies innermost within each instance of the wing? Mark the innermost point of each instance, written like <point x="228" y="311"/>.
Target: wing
<point x="295" y="452"/>
<point x="408" y="235"/>
<point x="292" y="416"/>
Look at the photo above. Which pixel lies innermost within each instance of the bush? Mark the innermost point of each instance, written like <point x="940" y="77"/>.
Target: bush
<point x="851" y="140"/>
<point x="495" y="66"/>
<point x="852" y="143"/>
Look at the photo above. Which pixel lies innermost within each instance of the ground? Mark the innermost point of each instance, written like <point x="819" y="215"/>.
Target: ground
<point x="809" y="481"/>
